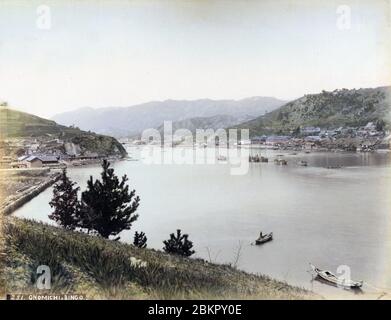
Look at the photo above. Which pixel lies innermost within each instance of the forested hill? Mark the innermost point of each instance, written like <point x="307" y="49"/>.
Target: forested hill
<point x="17" y="124"/>
<point x="328" y="109"/>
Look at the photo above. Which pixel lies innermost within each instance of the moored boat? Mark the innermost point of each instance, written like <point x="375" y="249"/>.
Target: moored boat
<point x="331" y="278"/>
<point x="333" y="167"/>
<point x="264" y="238"/>
<point x="303" y="163"/>
<point x="264" y="159"/>
<point x="281" y="162"/>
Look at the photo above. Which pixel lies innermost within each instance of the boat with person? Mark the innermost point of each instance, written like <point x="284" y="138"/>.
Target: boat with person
<point x="332" y="279"/>
<point x="263" y="238"/>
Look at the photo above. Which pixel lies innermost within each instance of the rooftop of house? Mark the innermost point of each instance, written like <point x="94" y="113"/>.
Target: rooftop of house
<point x="43" y="158"/>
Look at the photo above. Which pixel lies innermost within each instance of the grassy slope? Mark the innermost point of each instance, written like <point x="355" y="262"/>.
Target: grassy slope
<point x="2" y="247"/>
<point x="14" y="124"/>
<point x="102" y="269"/>
<point x="327" y="110"/>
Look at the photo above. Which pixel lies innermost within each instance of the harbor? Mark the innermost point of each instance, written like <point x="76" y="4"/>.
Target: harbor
<point x="284" y="200"/>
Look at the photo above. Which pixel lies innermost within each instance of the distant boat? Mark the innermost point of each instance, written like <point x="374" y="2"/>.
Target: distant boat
<point x="334" y="167"/>
<point x="264" y="159"/>
<point x="265" y="238"/>
<point x="222" y="158"/>
<point x="257" y="158"/>
<point x="331" y="278"/>
<point x="281" y="162"/>
<point x="303" y="163"/>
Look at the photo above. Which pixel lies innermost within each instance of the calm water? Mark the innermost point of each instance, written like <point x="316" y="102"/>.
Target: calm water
<point x="329" y="217"/>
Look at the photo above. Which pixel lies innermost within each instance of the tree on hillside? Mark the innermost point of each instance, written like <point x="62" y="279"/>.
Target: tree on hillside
<point x="65" y="203"/>
<point x="140" y="240"/>
<point x="179" y="244"/>
<point x="380" y="125"/>
<point x="296" y="132"/>
<point x="108" y="207"/>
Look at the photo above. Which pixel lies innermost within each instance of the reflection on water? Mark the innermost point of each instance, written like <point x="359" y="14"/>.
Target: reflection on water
<point x="329" y="217"/>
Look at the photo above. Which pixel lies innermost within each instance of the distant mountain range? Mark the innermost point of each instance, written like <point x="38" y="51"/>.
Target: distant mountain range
<point x="17" y="124"/>
<point x="328" y="109"/>
<point x="214" y="122"/>
<point x="128" y="121"/>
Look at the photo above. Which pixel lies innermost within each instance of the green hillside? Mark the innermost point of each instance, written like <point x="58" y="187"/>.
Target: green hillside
<point x="333" y="109"/>
<point x="103" y="269"/>
<point x="17" y="124"/>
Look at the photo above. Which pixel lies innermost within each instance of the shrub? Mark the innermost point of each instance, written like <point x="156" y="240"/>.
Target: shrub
<point x="140" y="240"/>
<point x="178" y="244"/>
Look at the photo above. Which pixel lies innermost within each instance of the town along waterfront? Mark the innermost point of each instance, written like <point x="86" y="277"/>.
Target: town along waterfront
<point x="329" y="217"/>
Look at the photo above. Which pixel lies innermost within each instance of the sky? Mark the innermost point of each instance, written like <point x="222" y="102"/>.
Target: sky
<point x="121" y="53"/>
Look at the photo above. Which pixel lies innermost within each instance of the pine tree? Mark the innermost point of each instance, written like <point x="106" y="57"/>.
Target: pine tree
<point x="296" y="132"/>
<point x="140" y="240"/>
<point x="65" y="203"/>
<point x="107" y="205"/>
<point x="380" y="125"/>
<point x="178" y="244"/>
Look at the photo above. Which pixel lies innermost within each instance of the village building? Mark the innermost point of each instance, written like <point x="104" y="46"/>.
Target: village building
<point x="5" y="162"/>
<point x="312" y="139"/>
<point x="310" y="130"/>
<point x="88" y="156"/>
<point x="258" y="139"/>
<point x="370" y="126"/>
<point x="277" y="140"/>
<point x="37" y="161"/>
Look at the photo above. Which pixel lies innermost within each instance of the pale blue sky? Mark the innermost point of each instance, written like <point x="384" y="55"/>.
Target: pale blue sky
<point x="119" y="53"/>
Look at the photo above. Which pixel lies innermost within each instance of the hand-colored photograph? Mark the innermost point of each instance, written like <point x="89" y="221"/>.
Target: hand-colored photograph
<point x="195" y="150"/>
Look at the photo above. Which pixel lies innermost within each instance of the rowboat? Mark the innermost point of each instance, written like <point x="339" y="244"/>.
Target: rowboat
<point x="331" y="278"/>
<point x="265" y="238"/>
<point x="281" y="162"/>
<point x="303" y="163"/>
<point x="222" y="158"/>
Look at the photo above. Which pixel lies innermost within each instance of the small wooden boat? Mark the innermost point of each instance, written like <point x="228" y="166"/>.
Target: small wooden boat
<point x="265" y="238"/>
<point x="331" y="278"/>
<point x="303" y="163"/>
<point x="222" y="158"/>
<point x="281" y="162"/>
<point x="254" y="158"/>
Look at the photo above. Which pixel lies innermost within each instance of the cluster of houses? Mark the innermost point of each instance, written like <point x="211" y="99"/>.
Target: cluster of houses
<point x="313" y="137"/>
<point x="34" y="153"/>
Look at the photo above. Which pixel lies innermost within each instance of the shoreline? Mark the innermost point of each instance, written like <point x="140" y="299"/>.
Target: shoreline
<point x="30" y="192"/>
<point x="263" y="147"/>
